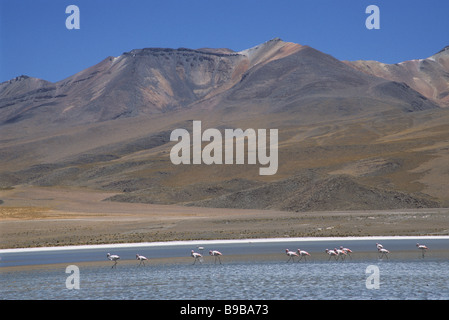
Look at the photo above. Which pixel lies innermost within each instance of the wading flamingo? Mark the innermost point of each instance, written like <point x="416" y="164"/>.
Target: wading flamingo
<point x="331" y="254"/>
<point x="216" y="254"/>
<point x="340" y="253"/>
<point x="347" y="251"/>
<point x="291" y="255"/>
<point x="423" y="248"/>
<point x="113" y="257"/>
<point x="383" y="252"/>
<point x="197" y="256"/>
<point x="303" y="253"/>
<point x="142" y="259"/>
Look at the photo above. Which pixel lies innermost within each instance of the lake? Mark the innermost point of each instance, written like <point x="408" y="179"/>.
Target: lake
<point x="250" y="270"/>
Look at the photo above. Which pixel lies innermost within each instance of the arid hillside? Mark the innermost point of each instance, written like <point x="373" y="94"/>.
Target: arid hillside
<point x="352" y="135"/>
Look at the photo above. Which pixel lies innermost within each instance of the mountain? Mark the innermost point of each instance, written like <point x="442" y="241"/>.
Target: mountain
<point x="349" y="137"/>
<point x="144" y="81"/>
<point x="156" y="80"/>
<point x="19" y="91"/>
<point x="430" y="76"/>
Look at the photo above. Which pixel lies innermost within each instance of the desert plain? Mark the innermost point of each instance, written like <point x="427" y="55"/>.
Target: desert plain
<point x="47" y="216"/>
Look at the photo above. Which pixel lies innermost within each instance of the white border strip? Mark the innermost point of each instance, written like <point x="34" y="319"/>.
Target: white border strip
<point x="205" y="242"/>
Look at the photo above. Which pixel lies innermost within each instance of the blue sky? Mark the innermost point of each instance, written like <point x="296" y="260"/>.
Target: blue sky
<point x="35" y="41"/>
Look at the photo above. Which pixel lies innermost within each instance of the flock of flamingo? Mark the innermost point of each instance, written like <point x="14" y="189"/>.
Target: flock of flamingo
<point x="337" y="254"/>
<point x="197" y="256"/>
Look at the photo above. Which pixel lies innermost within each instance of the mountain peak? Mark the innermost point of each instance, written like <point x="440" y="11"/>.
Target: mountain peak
<point x="270" y="50"/>
<point x="445" y="49"/>
<point x="443" y="53"/>
<point x="275" y="39"/>
<point x="21" y="77"/>
<point x="18" y="78"/>
<point x="21" y="84"/>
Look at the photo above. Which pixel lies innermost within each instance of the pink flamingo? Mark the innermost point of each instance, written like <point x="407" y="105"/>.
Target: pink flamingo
<point x="216" y="254"/>
<point x="291" y="255"/>
<point x="113" y="257"/>
<point x="422" y="247"/>
<point x="304" y="254"/>
<point x="341" y="253"/>
<point x="197" y="256"/>
<point x="331" y="254"/>
<point x="347" y="251"/>
<point x="142" y="259"/>
<point x="383" y="252"/>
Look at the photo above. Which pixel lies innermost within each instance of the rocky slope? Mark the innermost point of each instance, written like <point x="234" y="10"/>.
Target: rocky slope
<point x="352" y="135"/>
<point x="429" y="76"/>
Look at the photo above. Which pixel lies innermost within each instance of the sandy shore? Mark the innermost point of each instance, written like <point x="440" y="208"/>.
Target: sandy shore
<point x="41" y="217"/>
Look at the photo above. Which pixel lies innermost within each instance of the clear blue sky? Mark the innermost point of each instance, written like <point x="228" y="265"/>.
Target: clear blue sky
<point x="34" y="40"/>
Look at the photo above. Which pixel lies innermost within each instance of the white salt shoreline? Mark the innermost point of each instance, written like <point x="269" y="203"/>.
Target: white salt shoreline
<point x="218" y="241"/>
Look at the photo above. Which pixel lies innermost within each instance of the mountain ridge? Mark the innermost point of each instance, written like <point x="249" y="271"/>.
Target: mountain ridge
<point x="428" y="76"/>
<point x="374" y="137"/>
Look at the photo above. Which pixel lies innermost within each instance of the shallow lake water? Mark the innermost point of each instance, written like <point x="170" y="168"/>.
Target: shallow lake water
<point x="329" y="280"/>
<point x="251" y="270"/>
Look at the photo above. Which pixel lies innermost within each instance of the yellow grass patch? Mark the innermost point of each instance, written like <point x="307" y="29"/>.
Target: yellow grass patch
<point x="26" y="213"/>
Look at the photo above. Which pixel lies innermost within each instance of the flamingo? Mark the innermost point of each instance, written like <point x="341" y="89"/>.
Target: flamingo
<point x="347" y="251"/>
<point x="197" y="256"/>
<point x="383" y="252"/>
<point x="142" y="259"/>
<point x="422" y="247"/>
<point x="216" y="254"/>
<point x="331" y="254"/>
<point x="113" y="257"/>
<point x="341" y="253"/>
<point x="291" y="255"/>
<point x="303" y="253"/>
